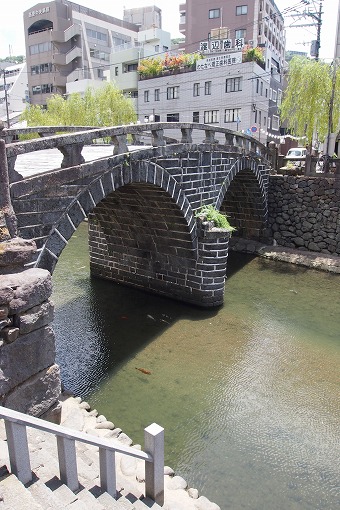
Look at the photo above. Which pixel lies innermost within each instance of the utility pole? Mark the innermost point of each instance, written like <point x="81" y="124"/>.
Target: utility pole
<point x="6" y="98"/>
<point x="317" y="17"/>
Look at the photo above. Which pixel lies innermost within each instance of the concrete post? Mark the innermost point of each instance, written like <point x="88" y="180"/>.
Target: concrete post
<point x="5" y="198"/>
<point x="154" y="471"/>
<point x="72" y="155"/>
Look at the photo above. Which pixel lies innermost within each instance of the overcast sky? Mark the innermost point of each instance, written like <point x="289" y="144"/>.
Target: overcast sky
<point x="12" y="32"/>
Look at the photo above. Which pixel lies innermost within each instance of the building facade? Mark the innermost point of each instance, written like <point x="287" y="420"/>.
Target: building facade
<point x="255" y="22"/>
<point x="13" y="92"/>
<point x="68" y="46"/>
<point x="238" y="96"/>
<point x="125" y="60"/>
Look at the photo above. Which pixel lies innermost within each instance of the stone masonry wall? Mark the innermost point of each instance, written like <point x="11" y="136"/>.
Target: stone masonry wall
<point x="304" y="213"/>
<point x="29" y="377"/>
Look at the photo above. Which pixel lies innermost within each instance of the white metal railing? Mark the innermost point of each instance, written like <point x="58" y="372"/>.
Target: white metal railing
<point x="19" y="457"/>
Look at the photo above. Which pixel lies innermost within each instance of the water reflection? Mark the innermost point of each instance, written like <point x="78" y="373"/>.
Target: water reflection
<point x="247" y="393"/>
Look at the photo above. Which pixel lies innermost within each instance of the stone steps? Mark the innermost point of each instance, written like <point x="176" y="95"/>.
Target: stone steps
<point x="47" y="492"/>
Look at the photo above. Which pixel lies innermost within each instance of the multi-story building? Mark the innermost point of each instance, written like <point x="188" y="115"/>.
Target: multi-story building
<point x="256" y="22"/>
<point x="13" y="92"/>
<point x="125" y="60"/>
<point x="232" y="94"/>
<point x="144" y="17"/>
<point x="68" y="46"/>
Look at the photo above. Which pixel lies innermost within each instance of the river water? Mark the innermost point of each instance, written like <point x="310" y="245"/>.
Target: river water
<point x="248" y="394"/>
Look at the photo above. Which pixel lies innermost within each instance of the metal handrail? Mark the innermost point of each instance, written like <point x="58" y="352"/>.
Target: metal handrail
<point x="16" y="423"/>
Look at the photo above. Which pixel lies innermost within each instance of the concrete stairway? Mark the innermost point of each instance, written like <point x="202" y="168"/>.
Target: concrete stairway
<point x="46" y="492"/>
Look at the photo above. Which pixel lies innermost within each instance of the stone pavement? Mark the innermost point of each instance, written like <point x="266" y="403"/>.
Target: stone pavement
<point x="313" y="260"/>
<point x="46" y="492"/>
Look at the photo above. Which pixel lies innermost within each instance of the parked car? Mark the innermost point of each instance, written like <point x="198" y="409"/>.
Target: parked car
<point x="294" y="160"/>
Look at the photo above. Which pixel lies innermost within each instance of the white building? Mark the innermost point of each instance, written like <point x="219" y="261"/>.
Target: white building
<point x="125" y="60"/>
<point x="14" y="80"/>
<point x="222" y="91"/>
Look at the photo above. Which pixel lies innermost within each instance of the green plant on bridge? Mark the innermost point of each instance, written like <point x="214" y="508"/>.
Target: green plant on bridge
<point x="210" y="213"/>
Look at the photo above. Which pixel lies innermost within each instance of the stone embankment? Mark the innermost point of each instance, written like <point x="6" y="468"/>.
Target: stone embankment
<point x="323" y="262"/>
<point x="304" y="213"/>
<point x="47" y="493"/>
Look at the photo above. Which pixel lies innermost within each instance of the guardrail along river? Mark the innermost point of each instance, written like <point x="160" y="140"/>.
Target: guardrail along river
<point x="248" y="393"/>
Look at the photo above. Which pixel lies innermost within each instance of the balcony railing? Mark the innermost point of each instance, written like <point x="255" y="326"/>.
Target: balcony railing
<point x="16" y="424"/>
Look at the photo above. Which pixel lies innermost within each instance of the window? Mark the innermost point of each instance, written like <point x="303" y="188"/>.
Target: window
<point x="134" y="93"/>
<point x="96" y="35"/>
<point x="172" y="92"/>
<point x="279" y="97"/>
<point x="257" y="85"/>
<point x="274" y="96"/>
<point x="232" y="115"/>
<point x="240" y="33"/>
<point x="241" y="9"/>
<point x="195" y="116"/>
<point x="172" y="117"/>
<point x="116" y="71"/>
<point x="207" y="88"/>
<point x="214" y="13"/>
<point x="196" y="91"/>
<point x="211" y="117"/>
<point x="129" y="68"/>
<point x="146" y="96"/>
<point x="268" y="125"/>
<point x="233" y="84"/>
<point x="42" y="68"/>
<point x="270" y="93"/>
<point x="261" y="92"/>
<point x="40" y="48"/>
<point x="275" y="123"/>
<point x="46" y="88"/>
<point x="157" y="94"/>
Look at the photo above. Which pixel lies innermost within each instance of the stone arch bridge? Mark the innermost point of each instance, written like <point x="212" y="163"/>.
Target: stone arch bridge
<point x="141" y="204"/>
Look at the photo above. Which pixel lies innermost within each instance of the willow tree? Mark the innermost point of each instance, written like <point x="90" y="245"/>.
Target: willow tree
<point x="105" y="106"/>
<point x="311" y="102"/>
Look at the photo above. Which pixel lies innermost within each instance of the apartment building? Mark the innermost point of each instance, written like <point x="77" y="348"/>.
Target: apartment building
<point x="68" y="46"/>
<point x="125" y="60"/>
<point x="13" y="92"/>
<point x="250" y="22"/>
<point x="221" y="91"/>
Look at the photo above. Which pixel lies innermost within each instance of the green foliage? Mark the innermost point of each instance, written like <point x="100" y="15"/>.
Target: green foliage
<point x="306" y="102"/>
<point x="155" y="66"/>
<point x="250" y="54"/>
<point x="106" y="106"/>
<point x="210" y="213"/>
<point x="19" y="59"/>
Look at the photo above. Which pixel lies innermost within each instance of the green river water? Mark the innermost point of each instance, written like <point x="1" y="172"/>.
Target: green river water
<point x="248" y="394"/>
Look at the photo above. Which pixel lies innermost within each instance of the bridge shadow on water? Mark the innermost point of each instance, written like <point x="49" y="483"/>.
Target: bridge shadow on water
<point x="107" y="325"/>
<point x="101" y="325"/>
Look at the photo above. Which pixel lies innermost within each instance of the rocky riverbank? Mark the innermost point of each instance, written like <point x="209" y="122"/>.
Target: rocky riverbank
<point x="313" y="260"/>
<point x="78" y="415"/>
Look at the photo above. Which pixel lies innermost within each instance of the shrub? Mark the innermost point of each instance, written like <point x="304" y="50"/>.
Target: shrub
<point x="210" y="213"/>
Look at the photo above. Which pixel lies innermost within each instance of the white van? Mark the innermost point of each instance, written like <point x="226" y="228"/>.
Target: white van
<point x="297" y="152"/>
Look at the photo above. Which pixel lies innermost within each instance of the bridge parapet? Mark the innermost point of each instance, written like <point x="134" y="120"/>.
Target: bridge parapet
<point x="71" y="144"/>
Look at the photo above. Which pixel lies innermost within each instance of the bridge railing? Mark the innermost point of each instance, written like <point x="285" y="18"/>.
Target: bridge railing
<point x="16" y="424"/>
<point x="71" y="144"/>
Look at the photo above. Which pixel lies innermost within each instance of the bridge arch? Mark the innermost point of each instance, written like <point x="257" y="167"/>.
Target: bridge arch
<point x="124" y="180"/>
<point x="243" y="198"/>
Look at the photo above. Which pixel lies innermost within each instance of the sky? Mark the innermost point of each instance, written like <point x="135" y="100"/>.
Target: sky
<point x="12" y="31"/>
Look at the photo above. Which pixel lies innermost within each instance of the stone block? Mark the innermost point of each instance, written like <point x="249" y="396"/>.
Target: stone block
<point x="37" y="394"/>
<point x="30" y="288"/>
<point x="16" y="253"/>
<point x="35" y="318"/>
<point x="9" y="335"/>
<point x="28" y="355"/>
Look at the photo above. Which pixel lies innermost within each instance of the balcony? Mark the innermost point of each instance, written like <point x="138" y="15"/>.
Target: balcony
<point x="64" y="36"/>
<point x="63" y="59"/>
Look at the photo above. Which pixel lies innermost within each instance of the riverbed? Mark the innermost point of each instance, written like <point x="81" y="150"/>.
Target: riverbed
<point x="247" y="393"/>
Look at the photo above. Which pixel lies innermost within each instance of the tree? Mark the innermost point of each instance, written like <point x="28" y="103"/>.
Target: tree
<point x="312" y="98"/>
<point x="106" y="106"/>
